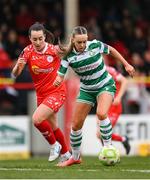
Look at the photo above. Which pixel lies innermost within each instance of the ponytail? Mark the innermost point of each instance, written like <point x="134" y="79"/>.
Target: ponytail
<point x="66" y="49"/>
<point x="49" y="37"/>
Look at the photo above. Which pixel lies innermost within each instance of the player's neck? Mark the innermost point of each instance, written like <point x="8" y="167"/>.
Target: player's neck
<point x="43" y="49"/>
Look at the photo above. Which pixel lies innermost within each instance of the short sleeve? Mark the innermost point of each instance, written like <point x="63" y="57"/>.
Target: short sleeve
<point x="63" y="68"/>
<point x="104" y="48"/>
<point x="25" y="54"/>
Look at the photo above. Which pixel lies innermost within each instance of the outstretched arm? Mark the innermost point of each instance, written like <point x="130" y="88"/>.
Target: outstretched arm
<point x="18" y="68"/>
<point x="129" y="68"/>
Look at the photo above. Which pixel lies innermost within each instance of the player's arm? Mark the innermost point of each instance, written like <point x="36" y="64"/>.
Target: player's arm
<point x="59" y="51"/>
<point x="18" y="68"/>
<point x="59" y="79"/>
<point x="115" y="54"/>
<point x="61" y="72"/>
<point x="123" y="86"/>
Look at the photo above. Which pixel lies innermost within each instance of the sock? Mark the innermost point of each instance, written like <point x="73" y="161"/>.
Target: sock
<point x="61" y="139"/>
<point x="106" y="131"/>
<point x="45" y="128"/>
<point x="116" y="137"/>
<point x="75" y="141"/>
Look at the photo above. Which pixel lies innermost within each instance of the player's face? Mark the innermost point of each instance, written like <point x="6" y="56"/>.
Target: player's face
<point x="37" y="38"/>
<point x="79" y="42"/>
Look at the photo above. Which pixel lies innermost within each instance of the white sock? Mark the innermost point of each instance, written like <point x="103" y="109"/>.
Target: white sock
<point x="75" y="141"/>
<point x="106" y="131"/>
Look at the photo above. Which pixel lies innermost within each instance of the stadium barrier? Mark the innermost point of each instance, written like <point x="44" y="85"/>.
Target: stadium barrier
<point x="15" y="137"/>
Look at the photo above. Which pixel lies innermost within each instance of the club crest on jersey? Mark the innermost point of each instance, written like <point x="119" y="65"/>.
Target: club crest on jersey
<point x="91" y="53"/>
<point x="49" y="59"/>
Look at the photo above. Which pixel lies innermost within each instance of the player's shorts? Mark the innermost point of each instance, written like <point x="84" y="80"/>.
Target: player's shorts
<point x="54" y="100"/>
<point x="91" y="97"/>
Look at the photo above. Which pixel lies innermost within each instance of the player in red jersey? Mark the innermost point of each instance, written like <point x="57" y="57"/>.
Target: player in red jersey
<point x="116" y="108"/>
<point x="43" y="61"/>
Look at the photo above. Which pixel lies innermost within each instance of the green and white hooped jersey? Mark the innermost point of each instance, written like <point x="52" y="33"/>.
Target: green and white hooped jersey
<point x="89" y="66"/>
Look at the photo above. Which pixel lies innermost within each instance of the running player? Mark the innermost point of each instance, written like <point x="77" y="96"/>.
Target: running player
<point x="96" y="84"/>
<point x="116" y="107"/>
<point x="43" y="61"/>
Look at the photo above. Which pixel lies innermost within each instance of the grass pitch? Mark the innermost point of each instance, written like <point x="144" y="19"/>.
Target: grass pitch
<point x="91" y="168"/>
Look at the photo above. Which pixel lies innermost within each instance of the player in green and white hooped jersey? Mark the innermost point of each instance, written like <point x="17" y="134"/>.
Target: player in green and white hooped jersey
<point x="96" y="85"/>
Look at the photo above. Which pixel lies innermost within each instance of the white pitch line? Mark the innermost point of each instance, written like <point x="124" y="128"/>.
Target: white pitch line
<point x="24" y="169"/>
<point x="89" y="170"/>
<point x="137" y="170"/>
<point x="81" y="170"/>
<point x="37" y="169"/>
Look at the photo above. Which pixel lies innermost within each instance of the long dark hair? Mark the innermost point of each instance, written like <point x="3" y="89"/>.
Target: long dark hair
<point x="66" y="49"/>
<point x="40" y="27"/>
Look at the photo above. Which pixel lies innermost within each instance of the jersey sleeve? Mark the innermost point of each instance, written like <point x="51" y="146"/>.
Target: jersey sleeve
<point x="104" y="48"/>
<point x="63" y="67"/>
<point x="25" y="54"/>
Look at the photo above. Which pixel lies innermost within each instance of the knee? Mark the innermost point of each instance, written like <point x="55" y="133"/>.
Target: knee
<point x="101" y="115"/>
<point x="36" y="119"/>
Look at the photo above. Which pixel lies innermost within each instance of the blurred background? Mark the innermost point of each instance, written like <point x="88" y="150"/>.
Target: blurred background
<point x="123" y="24"/>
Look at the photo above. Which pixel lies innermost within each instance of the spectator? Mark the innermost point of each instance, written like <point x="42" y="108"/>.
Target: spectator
<point x="139" y="43"/>
<point x="5" y="61"/>
<point x="12" y="45"/>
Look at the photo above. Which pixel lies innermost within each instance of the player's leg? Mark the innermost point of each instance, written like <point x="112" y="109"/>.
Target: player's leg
<point x="40" y="116"/>
<point x="114" y="116"/>
<point x="115" y="137"/>
<point x="54" y="102"/>
<point x="98" y="134"/>
<point x="64" y="153"/>
<point x="81" y="111"/>
<point x="40" y="121"/>
<point x="84" y="103"/>
<point x="126" y="144"/>
<point x="104" y="102"/>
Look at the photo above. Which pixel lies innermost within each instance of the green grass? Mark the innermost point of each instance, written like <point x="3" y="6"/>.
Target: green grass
<point x="91" y="168"/>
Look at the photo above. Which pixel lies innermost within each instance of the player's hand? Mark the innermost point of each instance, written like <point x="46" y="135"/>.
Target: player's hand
<point x="21" y="62"/>
<point x="116" y="101"/>
<point x="130" y="69"/>
<point x="58" y="80"/>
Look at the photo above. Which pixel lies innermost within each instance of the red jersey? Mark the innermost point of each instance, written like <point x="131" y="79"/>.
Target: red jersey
<point x="115" y="110"/>
<point x="43" y="67"/>
<point x="116" y="76"/>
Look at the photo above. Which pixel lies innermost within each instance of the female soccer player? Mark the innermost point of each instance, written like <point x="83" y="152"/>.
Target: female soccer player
<point x="116" y="107"/>
<point x="43" y="61"/>
<point x="96" y="84"/>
